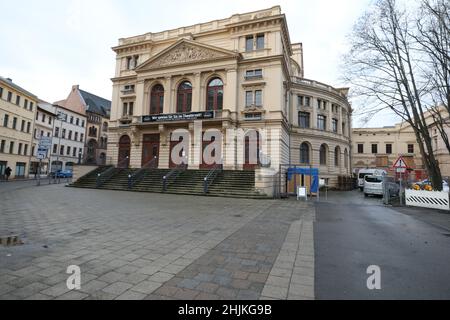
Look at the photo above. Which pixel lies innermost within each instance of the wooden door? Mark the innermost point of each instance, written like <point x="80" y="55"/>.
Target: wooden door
<point x="150" y="150"/>
<point x="250" y="143"/>
<point x="124" y="152"/>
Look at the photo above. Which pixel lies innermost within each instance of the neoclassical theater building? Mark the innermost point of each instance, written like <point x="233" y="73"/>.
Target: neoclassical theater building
<point x="238" y="74"/>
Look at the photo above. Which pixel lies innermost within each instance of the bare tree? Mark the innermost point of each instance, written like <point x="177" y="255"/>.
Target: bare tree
<point x="382" y="67"/>
<point x="433" y="36"/>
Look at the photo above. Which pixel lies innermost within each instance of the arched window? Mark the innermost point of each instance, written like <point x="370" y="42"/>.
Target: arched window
<point x="337" y="156"/>
<point x="323" y="154"/>
<point x="214" y="99"/>
<point x="304" y="153"/>
<point x="184" y="97"/>
<point x="346" y="158"/>
<point x="157" y="99"/>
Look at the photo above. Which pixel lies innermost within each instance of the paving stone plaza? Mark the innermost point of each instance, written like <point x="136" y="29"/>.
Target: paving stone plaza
<point x="154" y="246"/>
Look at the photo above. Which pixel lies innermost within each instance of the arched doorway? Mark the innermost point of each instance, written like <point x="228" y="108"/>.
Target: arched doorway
<point x="252" y="149"/>
<point x="124" y="152"/>
<point x="91" y="152"/>
<point x="150" y="150"/>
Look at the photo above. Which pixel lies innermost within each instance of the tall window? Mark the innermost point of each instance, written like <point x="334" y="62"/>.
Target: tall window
<point x="389" y="148"/>
<point x="184" y="97"/>
<point x="334" y="125"/>
<point x="321" y="122"/>
<point x="374" y="148"/>
<point x="22" y="127"/>
<point x="360" y="148"/>
<point x="410" y="148"/>
<point x="249" y="43"/>
<point x="323" y="154"/>
<point x="14" y="126"/>
<point x="214" y="98"/>
<point x="253" y="98"/>
<point x="157" y="100"/>
<point x="337" y="156"/>
<point x="303" y="119"/>
<point x="259" y="41"/>
<point x="304" y="153"/>
<point x="5" y="121"/>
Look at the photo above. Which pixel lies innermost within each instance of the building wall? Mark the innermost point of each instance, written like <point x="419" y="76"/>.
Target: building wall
<point x="43" y="126"/>
<point x="58" y="141"/>
<point x="398" y="136"/>
<point x="21" y="137"/>
<point x="218" y="49"/>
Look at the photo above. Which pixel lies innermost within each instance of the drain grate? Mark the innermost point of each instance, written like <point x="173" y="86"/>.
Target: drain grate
<point x="11" y="240"/>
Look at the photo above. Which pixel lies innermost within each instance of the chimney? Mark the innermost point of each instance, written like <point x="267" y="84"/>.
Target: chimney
<point x="9" y="79"/>
<point x="75" y="87"/>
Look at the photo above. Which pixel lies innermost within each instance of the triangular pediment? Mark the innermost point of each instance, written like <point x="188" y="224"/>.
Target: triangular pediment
<point x="186" y="52"/>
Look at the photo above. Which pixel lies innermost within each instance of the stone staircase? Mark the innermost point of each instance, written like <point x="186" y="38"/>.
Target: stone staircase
<point x="90" y="180"/>
<point x="228" y="183"/>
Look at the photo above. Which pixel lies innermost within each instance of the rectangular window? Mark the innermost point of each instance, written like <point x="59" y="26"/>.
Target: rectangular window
<point x="14" y="126"/>
<point x="258" y="98"/>
<point x="25" y="150"/>
<point x="82" y="123"/>
<point x="410" y="148"/>
<point x="43" y="117"/>
<point x="68" y="151"/>
<point x="31" y="106"/>
<point x="5" y="121"/>
<point x="28" y="127"/>
<point x="32" y="150"/>
<point x="17" y="100"/>
<point x="22" y="126"/>
<point x="11" y="147"/>
<point x="125" y="109"/>
<point x="71" y="120"/>
<point x="20" y="169"/>
<point x="249" y="43"/>
<point x="57" y="132"/>
<point x="360" y="148"/>
<point x="81" y="137"/>
<point x="61" y="150"/>
<point x="49" y="120"/>
<point x="253" y="74"/>
<point x="303" y="119"/>
<point x="63" y="135"/>
<point x="374" y="148"/>
<point x="9" y="96"/>
<point x="37" y="115"/>
<point x="321" y="122"/>
<point x="388" y="148"/>
<point x="77" y="122"/>
<point x="42" y="134"/>
<point x="248" y="98"/>
<point x="300" y="100"/>
<point x="74" y="152"/>
<point x="335" y="125"/>
<point x="307" y="101"/>
<point x="55" y="148"/>
<point x="25" y="104"/>
<point x="76" y="136"/>
<point x="70" y="135"/>
<point x="260" y="41"/>
<point x="130" y="108"/>
<point x="2" y="146"/>
<point x="1" y="93"/>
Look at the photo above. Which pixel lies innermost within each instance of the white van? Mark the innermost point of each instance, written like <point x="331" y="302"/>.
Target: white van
<point x="368" y="172"/>
<point x="373" y="185"/>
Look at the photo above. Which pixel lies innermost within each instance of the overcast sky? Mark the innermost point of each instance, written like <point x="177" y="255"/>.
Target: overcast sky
<point x="49" y="45"/>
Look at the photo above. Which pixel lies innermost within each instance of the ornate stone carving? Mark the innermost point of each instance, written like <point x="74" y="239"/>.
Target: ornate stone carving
<point x="185" y="53"/>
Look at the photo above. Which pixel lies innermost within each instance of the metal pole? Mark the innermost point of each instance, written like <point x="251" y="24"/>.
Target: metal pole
<point x="401" y="189"/>
<point x="39" y="173"/>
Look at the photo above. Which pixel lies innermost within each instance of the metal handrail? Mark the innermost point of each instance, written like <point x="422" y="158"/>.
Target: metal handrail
<point x="175" y="173"/>
<point x="211" y="176"/>
<point x="137" y="176"/>
<point x="105" y="176"/>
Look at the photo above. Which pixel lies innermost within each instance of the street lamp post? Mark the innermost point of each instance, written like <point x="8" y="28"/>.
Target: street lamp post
<point x="79" y="157"/>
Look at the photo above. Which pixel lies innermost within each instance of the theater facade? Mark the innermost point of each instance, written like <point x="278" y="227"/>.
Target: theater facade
<point x="236" y="84"/>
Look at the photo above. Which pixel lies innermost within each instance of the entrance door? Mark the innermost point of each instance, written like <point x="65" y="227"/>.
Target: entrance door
<point x="150" y="150"/>
<point x="2" y="169"/>
<point x="204" y="164"/>
<point x="172" y="164"/>
<point x="252" y="145"/>
<point x="124" y="152"/>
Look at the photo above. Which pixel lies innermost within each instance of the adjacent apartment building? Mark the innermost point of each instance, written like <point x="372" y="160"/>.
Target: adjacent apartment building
<point x="17" y="113"/>
<point x="241" y="73"/>
<point x="92" y="113"/>
<point x="43" y="127"/>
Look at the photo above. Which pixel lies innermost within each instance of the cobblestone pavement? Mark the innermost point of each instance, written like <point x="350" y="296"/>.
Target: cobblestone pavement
<point x="154" y="246"/>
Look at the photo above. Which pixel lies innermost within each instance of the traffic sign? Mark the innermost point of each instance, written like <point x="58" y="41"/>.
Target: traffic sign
<point x="40" y="156"/>
<point x="400" y="163"/>
<point x="45" y="142"/>
<point x="41" y="153"/>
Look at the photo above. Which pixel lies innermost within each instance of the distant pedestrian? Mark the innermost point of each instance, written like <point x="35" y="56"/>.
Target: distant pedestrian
<point x="7" y="173"/>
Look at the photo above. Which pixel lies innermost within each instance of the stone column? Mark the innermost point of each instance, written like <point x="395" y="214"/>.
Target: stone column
<point x="139" y="104"/>
<point x="168" y="96"/>
<point x="230" y="99"/>
<point x="196" y="93"/>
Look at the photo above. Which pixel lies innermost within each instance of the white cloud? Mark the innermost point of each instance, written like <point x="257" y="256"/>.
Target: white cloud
<point x="55" y="44"/>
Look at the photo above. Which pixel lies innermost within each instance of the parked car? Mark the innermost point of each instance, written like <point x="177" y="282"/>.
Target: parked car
<point x="62" y="174"/>
<point x="426" y="185"/>
<point x="373" y="185"/>
<point x="368" y="172"/>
